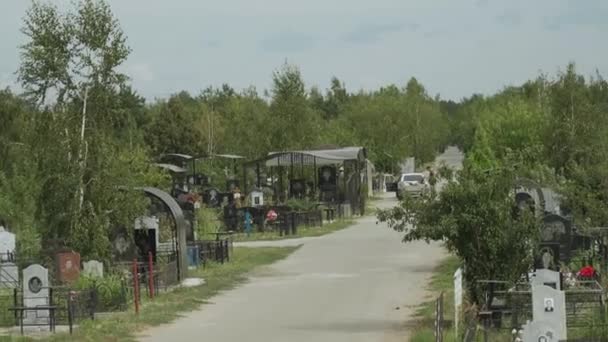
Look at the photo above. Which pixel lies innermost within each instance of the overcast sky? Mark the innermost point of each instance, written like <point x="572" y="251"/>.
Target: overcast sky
<point x="455" y="48"/>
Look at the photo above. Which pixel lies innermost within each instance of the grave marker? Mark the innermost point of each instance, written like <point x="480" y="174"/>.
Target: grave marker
<point x="548" y="310"/>
<point x="7" y="246"/>
<point x="35" y="293"/>
<point x="93" y="268"/>
<point x="68" y="266"/>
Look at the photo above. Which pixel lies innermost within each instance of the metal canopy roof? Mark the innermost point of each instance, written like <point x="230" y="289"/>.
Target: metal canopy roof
<point x="228" y="156"/>
<point x="177" y="155"/>
<point x="316" y="157"/>
<point x="171" y="167"/>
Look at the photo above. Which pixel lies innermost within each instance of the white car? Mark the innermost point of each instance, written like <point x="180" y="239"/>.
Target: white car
<point x="412" y="184"/>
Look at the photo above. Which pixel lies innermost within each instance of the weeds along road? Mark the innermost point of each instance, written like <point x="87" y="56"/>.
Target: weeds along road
<point x="358" y="284"/>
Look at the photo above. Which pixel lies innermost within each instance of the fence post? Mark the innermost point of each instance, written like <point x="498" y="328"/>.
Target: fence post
<point x="15" y="304"/>
<point x="439" y="318"/>
<point x="71" y="310"/>
<point x="151" y="274"/>
<point x="135" y="287"/>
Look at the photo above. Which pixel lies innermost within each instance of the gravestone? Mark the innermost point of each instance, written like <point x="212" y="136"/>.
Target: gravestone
<point x="557" y="228"/>
<point x="327" y="178"/>
<point x="35" y="293"/>
<point x="68" y="266"/>
<point x="538" y="331"/>
<point x="297" y="188"/>
<point x="256" y="198"/>
<point x="549" y="314"/>
<point x="7" y="246"/>
<point x="212" y="197"/>
<point x="148" y="226"/>
<point x="546" y="277"/>
<point x="547" y="256"/>
<point x="93" y="268"/>
<point x="230" y="216"/>
<point x="9" y="275"/>
<point x="147" y="222"/>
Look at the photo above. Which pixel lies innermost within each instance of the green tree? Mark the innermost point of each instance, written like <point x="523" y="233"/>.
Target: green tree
<point x="292" y="122"/>
<point x="473" y="216"/>
<point x="81" y="162"/>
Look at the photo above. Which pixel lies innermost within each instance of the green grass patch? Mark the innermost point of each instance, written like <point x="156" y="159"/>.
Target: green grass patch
<point x="302" y="232"/>
<point x="442" y="280"/>
<point x="166" y="307"/>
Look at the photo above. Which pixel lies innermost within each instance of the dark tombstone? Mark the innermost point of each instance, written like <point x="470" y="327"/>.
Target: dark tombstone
<point x="297" y="188"/>
<point x="230" y="216"/>
<point x="525" y="201"/>
<point x="558" y="229"/>
<point x="212" y="198"/>
<point x="547" y="256"/>
<point x="327" y="183"/>
<point x="190" y="222"/>
<point x="327" y="178"/>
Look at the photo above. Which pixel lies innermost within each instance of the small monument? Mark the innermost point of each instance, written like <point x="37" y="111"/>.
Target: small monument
<point x="7" y="245"/>
<point x="9" y="272"/>
<point x="93" y="268"/>
<point x="256" y="198"/>
<point x="68" y="266"/>
<point x="546" y="277"/>
<point x="548" y="310"/>
<point x="35" y="293"/>
<point x="147" y="222"/>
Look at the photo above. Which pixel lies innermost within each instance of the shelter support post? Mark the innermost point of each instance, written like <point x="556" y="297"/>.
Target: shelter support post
<point x="314" y="178"/>
<point x="257" y="171"/>
<point x="290" y="178"/>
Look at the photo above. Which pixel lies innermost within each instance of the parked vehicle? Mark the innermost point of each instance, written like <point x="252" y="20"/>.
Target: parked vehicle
<point x="412" y="184"/>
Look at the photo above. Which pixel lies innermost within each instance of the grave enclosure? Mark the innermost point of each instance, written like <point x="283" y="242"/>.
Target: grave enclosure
<point x="549" y="303"/>
<point x="156" y="253"/>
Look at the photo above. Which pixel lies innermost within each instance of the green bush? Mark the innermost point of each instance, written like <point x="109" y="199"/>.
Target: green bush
<point x="111" y="290"/>
<point x="207" y="221"/>
<point x="301" y="204"/>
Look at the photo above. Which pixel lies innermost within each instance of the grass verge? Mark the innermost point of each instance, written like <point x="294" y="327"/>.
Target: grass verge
<point x="302" y="232"/>
<point x="442" y="280"/>
<point x="168" y="306"/>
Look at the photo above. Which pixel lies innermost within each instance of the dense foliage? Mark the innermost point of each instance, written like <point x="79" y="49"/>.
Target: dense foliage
<point x="550" y="130"/>
<point x="79" y="137"/>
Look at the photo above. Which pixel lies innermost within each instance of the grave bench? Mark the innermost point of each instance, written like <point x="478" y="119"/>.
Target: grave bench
<point x="50" y="308"/>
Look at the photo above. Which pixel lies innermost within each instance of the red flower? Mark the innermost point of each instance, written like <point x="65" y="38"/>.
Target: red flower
<point x="271" y="215"/>
<point x="587" y="272"/>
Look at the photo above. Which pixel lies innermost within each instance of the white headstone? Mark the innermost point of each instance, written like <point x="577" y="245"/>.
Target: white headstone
<point x="257" y="198"/>
<point x="457" y="296"/>
<point x="35" y="293"/>
<point x="146" y="222"/>
<point x="549" y="315"/>
<point x="7" y="244"/>
<point x="546" y="277"/>
<point x="93" y="268"/>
